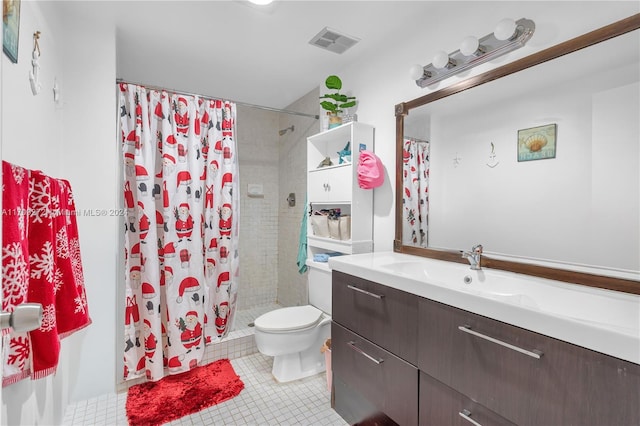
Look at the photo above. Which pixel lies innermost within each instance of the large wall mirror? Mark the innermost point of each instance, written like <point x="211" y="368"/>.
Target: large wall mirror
<point x="538" y="161"/>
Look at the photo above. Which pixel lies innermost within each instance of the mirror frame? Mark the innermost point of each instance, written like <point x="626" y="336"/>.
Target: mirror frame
<point x="618" y="28"/>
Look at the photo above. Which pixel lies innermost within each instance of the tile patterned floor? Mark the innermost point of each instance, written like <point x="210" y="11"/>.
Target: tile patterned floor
<point x="262" y="402"/>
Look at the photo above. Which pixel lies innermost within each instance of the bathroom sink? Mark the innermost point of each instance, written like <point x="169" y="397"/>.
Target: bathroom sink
<point x="484" y="283"/>
<point x="603" y="320"/>
<point x="560" y="299"/>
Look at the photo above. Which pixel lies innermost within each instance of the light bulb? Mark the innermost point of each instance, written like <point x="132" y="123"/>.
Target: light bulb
<point x="469" y="45"/>
<point x="505" y="29"/>
<point x="416" y="72"/>
<point x="441" y="59"/>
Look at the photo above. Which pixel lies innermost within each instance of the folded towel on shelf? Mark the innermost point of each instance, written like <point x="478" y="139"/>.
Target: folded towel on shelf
<point x="324" y="257"/>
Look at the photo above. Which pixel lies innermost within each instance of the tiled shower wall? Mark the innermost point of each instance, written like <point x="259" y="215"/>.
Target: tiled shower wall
<point x="292" y="289"/>
<point x="257" y="141"/>
<point x="269" y="228"/>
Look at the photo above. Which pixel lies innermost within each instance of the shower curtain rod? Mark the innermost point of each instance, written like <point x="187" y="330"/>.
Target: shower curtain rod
<point x="179" y="92"/>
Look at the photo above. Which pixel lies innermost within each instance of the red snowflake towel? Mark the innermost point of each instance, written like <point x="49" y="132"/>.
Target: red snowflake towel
<point x="15" y="268"/>
<point x="45" y="277"/>
<point x="71" y="302"/>
<point x="54" y="275"/>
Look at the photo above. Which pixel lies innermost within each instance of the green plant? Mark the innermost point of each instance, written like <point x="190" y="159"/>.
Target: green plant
<point x="340" y="101"/>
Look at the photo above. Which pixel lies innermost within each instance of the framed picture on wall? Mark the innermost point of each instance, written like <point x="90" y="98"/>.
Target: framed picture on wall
<point x="537" y="143"/>
<point x="10" y="28"/>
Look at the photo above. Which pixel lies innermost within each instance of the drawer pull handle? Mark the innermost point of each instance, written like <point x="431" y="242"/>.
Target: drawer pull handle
<point x="368" y="293"/>
<point x="353" y="346"/>
<point x="533" y="354"/>
<point x="466" y="414"/>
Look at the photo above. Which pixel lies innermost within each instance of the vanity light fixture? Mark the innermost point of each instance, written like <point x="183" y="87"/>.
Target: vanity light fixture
<point x="443" y="60"/>
<point x="505" y="30"/>
<point x="471" y="46"/>
<point x="508" y="36"/>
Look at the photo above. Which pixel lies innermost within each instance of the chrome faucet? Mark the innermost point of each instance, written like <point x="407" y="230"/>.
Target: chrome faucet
<point x="474" y="256"/>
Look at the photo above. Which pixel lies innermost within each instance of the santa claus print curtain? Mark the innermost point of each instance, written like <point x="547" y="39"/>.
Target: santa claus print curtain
<point x="181" y="228"/>
<point x="415" y="172"/>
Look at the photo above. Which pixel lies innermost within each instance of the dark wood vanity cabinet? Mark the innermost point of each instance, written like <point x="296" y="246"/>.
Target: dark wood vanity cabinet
<point x="374" y="351"/>
<point x="381" y="314"/>
<point x="527" y="378"/>
<point x="423" y="362"/>
<point x="388" y="382"/>
<point x="441" y="405"/>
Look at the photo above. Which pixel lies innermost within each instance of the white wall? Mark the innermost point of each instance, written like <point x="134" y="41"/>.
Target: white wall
<point x="32" y="137"/>
<point x="381" y="81"/>
<point x="74" y="140"/>
<point x="90" y="162"/>
<point x="616" y="124"/>
<point x="32" y="125"/>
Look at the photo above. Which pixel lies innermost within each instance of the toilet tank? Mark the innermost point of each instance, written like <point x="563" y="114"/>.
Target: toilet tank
<point x="320" y="287"/>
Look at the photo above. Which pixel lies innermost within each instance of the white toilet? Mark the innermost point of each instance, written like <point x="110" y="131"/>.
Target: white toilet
<point x="295" y="335"/>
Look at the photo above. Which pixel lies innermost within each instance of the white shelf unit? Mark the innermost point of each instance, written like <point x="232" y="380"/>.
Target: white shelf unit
<point x="336" y="186"/>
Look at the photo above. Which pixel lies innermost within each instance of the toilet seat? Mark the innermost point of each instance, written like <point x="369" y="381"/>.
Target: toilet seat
<point x="292" y="318"/>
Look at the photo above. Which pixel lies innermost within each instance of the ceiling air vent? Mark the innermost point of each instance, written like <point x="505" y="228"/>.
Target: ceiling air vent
<point x="333" y="40"/>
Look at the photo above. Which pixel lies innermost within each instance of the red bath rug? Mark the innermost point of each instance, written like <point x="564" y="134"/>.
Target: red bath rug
<point x="172" y="397"/>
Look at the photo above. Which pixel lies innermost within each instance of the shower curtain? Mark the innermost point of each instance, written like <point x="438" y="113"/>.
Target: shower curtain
<point x="181" y="228"/>
<point x="415" y="172"/>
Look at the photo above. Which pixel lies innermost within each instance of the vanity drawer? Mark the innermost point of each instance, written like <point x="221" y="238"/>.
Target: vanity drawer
<point x="441" y="405"/>
<point x="384" y="380"/>
<point x="379" y="313"/>
<point x="566" y="385"/>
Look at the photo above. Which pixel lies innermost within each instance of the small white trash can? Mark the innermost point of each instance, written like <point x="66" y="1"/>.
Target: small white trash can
<point x="326" y="348"/>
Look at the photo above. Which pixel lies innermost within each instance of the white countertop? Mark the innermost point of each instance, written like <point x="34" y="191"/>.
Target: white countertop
<point x="602" y="320"/>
